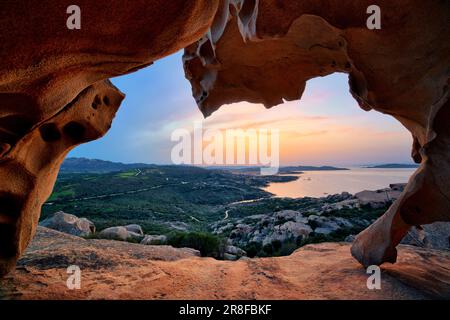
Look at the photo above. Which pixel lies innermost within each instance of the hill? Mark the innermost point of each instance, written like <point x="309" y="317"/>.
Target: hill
<point x="281" y="170"/>
<point x="394" y="166"/>
<point x="84" y="165"/>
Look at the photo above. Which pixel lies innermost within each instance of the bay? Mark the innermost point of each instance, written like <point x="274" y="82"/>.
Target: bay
<point x="322" y="183"/>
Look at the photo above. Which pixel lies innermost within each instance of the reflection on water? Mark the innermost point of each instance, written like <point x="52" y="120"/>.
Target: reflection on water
<point x="322" y="183"/>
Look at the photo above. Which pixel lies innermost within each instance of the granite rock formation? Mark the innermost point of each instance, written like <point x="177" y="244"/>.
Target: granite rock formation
<point x="55" y="93"/>
<point x="265" y="51"/>
<point x="122" y="270"/>
<point x="69" y="223"/>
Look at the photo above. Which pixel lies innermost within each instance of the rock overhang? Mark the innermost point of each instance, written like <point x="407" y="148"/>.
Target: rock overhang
<point x="249" y="50"/>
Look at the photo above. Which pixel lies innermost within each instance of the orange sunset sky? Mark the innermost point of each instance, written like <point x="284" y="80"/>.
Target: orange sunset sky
<point x="325" y="128"/>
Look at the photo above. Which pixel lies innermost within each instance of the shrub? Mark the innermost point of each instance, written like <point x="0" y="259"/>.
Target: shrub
<point x="253" y="249"/>
<point x="287" y="248"/>
<point x="267" y="249"/>
<point x="208" y="244"/>
<point x="276" y="244"/>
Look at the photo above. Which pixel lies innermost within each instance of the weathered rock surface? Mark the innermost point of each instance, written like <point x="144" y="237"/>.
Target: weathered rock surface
<point x="315" y="217"/>
<point x="120" y="233"/>
<point x="294" y="229"/>
<point x="377" y="198"/>
<point x="135" y="228"/>
<point x="233" y="252"/>
<point x="68" y="223"/>
<point x="265" y="51"/>
<point x="435" y="236"/>
<point x="154" y="239"/>
<point x="50" y="248"/>
<point x="121" y="270"/>
<point x="54" y="92"/>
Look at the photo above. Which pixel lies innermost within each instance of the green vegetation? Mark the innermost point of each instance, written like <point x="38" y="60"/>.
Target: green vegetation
<point x="183" y="203"/>
<point x="365" y="212"/>
<point x="359" y="217"/>
<point x="209" y="245"/>
<point x="159" y="198"/>
<point x="127" y="174"/>
<point x="268" y="205"/>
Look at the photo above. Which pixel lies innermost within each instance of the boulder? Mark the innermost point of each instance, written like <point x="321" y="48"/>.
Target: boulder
<point x="119" y="233"/>
<point x="350" y="238"/>
<point x="136" y="237"/>
<point x="191" y="251"/>
<point x="322" y="224"/>
<point x="287" y="214"/>
<point x="397" y="186"/>
<point x="154" y="239"/>
<point x="342" y="222"/>
<point x="241" y="229"/>
<point x="377" y="198"/>
<point x="135" y="228"/>
<point x="434" y="236"/>
<point x="236" y="251"/>
<point x="230" y="257"/>
<point x="287" y="230"/>
<point x="344" y="204"/>
<point x="294" y="229"/>
<point x="301" y="219"/>
<point x="114" y="233"/>
<point x="68" y="223"/>
<point x="323" y="231"/>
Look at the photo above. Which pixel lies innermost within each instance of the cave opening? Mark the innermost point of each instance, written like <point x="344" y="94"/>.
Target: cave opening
<point x="322" y="134"/>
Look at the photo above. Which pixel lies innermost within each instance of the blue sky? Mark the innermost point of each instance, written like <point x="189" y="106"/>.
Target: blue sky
<point x="325" y="128"/>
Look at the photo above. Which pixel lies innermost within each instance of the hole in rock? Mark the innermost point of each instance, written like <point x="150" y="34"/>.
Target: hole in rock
<point x="13" y="127"/>
<point x="10" y="205"/>
<point x="50" y="132"/>
<point x="74" y="130"/>
<point x="7" y="234"/>
<point x="247" y="10"/>
<point x="106" y="100"/>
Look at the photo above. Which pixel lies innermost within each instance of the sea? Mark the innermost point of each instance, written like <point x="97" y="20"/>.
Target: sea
<point x="323" y="183"/>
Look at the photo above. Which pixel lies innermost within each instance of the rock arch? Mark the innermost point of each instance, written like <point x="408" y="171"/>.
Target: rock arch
<point x="55" y="93"/>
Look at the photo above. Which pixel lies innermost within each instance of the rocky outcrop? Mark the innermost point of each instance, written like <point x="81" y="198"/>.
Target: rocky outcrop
<point x="29" y="169"/>
<point x="435" y="236"/>
<point x="121" y="233"/>
<point x="154" y="239"/>
<point x="377" y="198"/>
<point x="265" y="51"/>
<point x="232" y="253"/>
<point x="122" y="270"/>
<point x="311" y="220"/>
<point x="50" y="248"/>
<point x="135" y="228"/>
<point x="68" y="223"/>
<point x="54" y="92"/>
